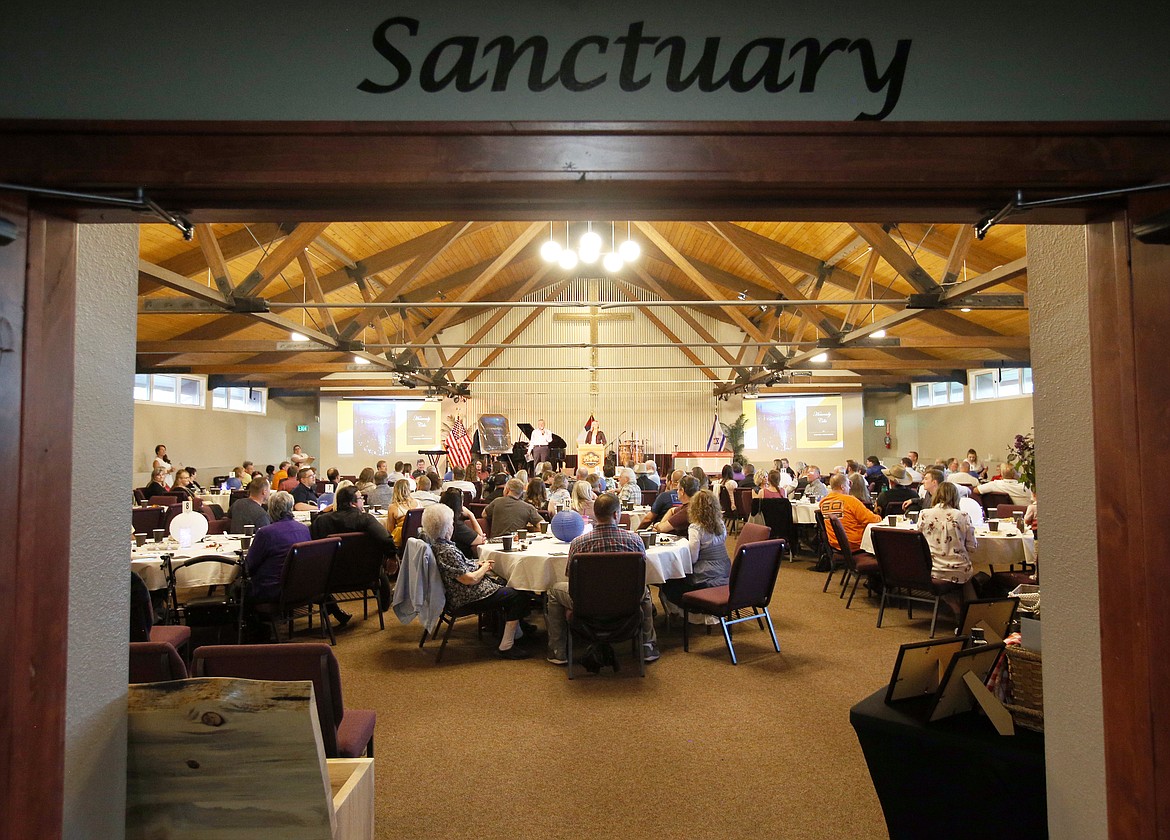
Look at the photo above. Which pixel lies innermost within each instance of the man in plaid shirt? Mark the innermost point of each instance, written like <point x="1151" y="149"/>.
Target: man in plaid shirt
<point x="605" y="536"/>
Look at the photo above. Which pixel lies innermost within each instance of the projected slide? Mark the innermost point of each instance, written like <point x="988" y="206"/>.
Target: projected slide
<point x="378" y="428"/>
<point x="782" y="424"/>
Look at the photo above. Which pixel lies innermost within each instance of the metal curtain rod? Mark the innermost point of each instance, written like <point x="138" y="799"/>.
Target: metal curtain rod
<point x="559" y="304"/>
<point x="141" y="201"/>
<point x="1018" y="204"/>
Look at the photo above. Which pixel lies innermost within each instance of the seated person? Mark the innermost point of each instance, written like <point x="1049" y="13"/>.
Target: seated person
<point x="650" y="479"/>
<point x="465" y="581"/>
<point x="677" y="521"/>
<point x="156" y="486"/>
<point x="559" y="497"/>
<point x="930" y="481"/>
<point x="951" y="538"/>
<point x="400" y="503"/>
<point x="250" y="511"/>
<point x="182" y="489"/>
<point x="423" y="496"/>
<point x="280" y="475"/>
<point x="536" y="494"/>
<point x="192" y="484"/>
<point x="608" y="478"/>
<point x="365" y="480"/>
<point x="899" y="490"/>
<point x="235" y="480"/>
<point x="814" y="487"/>
<point x="701" y="476"/>
<point x="628" y="492"/>
<point x="382" y="493"/>
<point x="581" y="498"/>
<point x="265" y="559"/>
<point x="1008" y="482"/>
<point x="874" y="473"/>
<point x="770" y="488"/>
<point x="510" y="512"/>
<point x="605" y="536"/>
<point x="466" y="532"/>
<point x="960" y="473"/>
<point x="493" y="487"/>
<point x="459" y="479"/>
<point x="304" y="495"/>
<point x="707" y="544"/>
<point x="854" y="515"/>
<point x="351" y="517"/>
<point x="666" y="499"/>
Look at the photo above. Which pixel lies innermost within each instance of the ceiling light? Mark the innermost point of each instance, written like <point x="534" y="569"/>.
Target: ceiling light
<point x="742" y="295"/>
<point x="551" y="250"/>
<point x="590" y="242"/>
<point x="568" y="259"/>
<point x="589" y="256"/>
<point x="820" y="357"/>
<point x="612" y="262"/>
<point x="360" y="360"/>
<point x="878" y="334"/>
<point x="298" y="337"/>
<point x="629" y="250"/>
<point x="965" y="309"/>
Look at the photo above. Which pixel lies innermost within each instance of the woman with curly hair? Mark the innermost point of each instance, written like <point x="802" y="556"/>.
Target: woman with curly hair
<point x="707" y="543"/>
<point x="400" y="503"/>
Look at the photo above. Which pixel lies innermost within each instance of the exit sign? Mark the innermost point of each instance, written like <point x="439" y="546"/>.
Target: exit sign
<point x="302" y="427"/>
<point x="879" y="422"/>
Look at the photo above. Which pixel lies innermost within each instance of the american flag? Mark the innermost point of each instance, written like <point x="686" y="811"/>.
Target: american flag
<point x="458" y="444"/>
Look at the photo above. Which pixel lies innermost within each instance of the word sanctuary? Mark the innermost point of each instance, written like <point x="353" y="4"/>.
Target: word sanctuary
<point x="460" y="63"/>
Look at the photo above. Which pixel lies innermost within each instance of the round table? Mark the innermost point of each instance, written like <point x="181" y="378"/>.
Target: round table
<point x="1001" y="548"/>
<point x="544" y="562"/>
<point x="637" y="514"/>
<point x="147" y="563"/>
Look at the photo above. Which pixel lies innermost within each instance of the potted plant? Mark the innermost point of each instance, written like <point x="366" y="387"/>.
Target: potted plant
<point x="734" y="432"/>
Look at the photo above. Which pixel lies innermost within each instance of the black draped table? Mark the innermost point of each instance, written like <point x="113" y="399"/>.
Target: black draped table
<point x="953" y="779"/>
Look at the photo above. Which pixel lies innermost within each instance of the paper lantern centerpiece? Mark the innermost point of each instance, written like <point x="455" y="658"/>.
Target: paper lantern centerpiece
<point x="567" y="525"/>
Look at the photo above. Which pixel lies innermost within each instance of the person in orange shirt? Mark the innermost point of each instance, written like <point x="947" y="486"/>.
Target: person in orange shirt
<point x="854" y="514"/>
<point x="281" y="474"/>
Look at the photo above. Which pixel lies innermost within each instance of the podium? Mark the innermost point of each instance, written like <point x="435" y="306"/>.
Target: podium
<point x="591" y="456"/>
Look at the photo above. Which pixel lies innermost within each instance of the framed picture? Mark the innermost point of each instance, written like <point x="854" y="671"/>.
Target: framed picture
<point x="994" y="615"/>
<point x="920" y="667"/>
<point x="954" y="697"/>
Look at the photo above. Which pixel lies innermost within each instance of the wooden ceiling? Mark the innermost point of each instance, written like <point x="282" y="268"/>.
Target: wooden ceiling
<point x="217" y="305"/>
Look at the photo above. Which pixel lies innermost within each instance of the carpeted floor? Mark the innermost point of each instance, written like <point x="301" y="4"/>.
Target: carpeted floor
<point x="478" y="746"/>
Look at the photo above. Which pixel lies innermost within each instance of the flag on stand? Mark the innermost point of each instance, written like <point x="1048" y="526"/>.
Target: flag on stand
<point x="458" y="444"/>
<point x="716" y="439"/>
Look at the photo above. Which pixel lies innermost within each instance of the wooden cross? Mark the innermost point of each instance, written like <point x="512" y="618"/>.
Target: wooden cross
<point x="594" y="317"/>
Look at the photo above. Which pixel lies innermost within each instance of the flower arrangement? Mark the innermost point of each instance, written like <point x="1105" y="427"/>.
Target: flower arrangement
<point x="1022" y="457"/>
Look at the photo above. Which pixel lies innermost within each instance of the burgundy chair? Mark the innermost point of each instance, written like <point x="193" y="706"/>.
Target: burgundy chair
<point x="145" y="520"/>
<point x="139" y="495"/>
<point x="858" y="564"/>
<point x="903" y="557"/>
<point x="411" y="524"/>
<point x="304" y="582"/>
<point x="607" y="590"/>
<point x="753" y="532"/>
<point x="477" y="508"/>
<point x="743" y="503"/>
<point x="753" y="577"/>
<point x="358" y="567"/>
<point x="155" y="662"/>
<point x="1010" y="511"/>
<point x="177" y="636"/>
<point x="468" y="497"/>
<point x="236" y="495"/>
<point x="345" y="733"/>
<point x="992" y="501"/>
<point x="164" y="501"/>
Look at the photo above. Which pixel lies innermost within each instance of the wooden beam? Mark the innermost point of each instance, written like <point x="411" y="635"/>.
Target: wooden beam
<point x="179" y="283"/>
<point x="899" y="259"/>
<point x="175" y="347"/>
<point x="733" y="235"/>
<point x="514" y="334"/>
<point x="863" y="280"/>
<point x="313" y="286"/>
<point x="284" y="253"/>
<point x="420" y="264"/>
<point x="526" y="288"/>
<point x="964" y="238"/>
<point x="477" y="285"/>
<point x="697" y="277"/>
<point x="214" y="257"/>
<point x="670" y="336"/>
<point x="986" y="280"/>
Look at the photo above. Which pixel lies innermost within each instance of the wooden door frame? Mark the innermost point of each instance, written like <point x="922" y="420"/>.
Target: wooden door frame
<point x="352" y="171"/>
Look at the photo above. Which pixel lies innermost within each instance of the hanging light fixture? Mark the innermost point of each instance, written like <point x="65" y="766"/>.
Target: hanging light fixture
<point x="298" y="337"/>
<point x="629" y="250"/>
<point x="359" y="360"/>
<point x="550" y="251"/>
<point x="568" y="257"/>
<point x="590" y="245"/>
<point x="878" y="334"/>
<point x="612" y="261"/>
<point x="819" y="358"/>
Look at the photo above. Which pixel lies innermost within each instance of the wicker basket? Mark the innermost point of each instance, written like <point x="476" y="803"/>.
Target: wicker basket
<point x="1027" y="688"/>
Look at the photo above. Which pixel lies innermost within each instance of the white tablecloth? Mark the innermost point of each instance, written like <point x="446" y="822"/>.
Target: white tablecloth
<point x="145" y="561"/>
<point x="224" y="500"/>
<point x="1000" y="549"/>
<point x="543" y="563"/>
<point x="804" y="513"/>
<point x="636" y="515"/>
